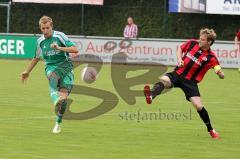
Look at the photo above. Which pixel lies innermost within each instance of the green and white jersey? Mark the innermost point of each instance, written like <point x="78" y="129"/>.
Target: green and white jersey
<point x="50" y="55"/>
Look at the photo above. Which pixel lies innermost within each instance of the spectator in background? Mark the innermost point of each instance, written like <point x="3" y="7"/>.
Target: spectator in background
<point x="237" y="44"/>
<point x="131" y="29"/>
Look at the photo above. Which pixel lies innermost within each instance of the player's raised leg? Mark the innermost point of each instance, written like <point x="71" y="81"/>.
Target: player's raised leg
<point x="196" y="101"/>
<point x="157" y="89"/>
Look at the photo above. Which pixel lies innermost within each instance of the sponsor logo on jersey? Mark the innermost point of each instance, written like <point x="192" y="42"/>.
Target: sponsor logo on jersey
<point x="194" y="59"/>
<point x="52" y="52"/>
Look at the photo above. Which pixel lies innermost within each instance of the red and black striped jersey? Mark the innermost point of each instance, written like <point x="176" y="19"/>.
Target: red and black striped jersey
<point x="196" y="61"/>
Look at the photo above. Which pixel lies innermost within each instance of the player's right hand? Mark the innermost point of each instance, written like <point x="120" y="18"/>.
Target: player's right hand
<point x="54" y="46"/>
<point x="180" y="63"/>
<point x="24" y="76"/>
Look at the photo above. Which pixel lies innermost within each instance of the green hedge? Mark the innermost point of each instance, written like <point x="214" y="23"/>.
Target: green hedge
<point x="110" y="19"/>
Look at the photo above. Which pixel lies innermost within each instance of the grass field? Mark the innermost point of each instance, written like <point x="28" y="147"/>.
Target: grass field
<point x="27" y="119"/>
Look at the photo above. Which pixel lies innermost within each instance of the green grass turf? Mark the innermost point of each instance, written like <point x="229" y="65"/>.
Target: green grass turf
<point x="27" y="119"/>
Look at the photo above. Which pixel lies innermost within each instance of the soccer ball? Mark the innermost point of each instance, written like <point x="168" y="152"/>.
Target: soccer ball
<point x="89" y="74"/>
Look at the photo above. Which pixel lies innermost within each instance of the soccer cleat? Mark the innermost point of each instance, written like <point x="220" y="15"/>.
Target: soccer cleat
<point x="147" y="93"/>
<point x="214" y="134"/>
<point x="57" y="128"/>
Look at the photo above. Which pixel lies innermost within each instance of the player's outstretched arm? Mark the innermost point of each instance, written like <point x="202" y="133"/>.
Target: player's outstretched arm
<point x="219" y="71"/>
<point x="30" y="67"/>
<point x="71" y="49"/>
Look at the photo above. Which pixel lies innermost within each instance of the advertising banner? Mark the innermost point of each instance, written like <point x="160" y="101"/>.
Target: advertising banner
<point x="91" y="2"/>
<point x="17" y="46"/>
<point x="187" y="6"/>
<point x="223" y="7"/>
<point x="119" y="50"/>
<point x="205" y="6"/>
<point x="151" y="51"/>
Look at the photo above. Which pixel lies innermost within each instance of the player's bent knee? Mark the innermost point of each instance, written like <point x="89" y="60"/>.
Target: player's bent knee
<point x="196" y="102"/>
<point x="52" y="75"/>
<point x="198" y="107"/>
<point x="166" y="81"/>
<point x="64" y="93"/>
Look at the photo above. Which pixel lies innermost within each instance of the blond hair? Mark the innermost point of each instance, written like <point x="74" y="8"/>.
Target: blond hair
<point x="210" y="33"/>
<point x="45" y="19"/>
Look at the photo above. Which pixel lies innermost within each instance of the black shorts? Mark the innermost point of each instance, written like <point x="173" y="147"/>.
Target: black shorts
<point x="189" y="87"/>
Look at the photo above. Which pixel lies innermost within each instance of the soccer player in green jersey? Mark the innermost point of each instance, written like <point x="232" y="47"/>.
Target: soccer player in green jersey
<point x="54" y="47"/>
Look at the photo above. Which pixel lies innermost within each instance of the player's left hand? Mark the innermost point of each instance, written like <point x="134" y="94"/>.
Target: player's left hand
<point x="24" y="76"/>
<point x="180" y="63"/>
<point x="54" y="46"/>
<point x="220" y="74"/>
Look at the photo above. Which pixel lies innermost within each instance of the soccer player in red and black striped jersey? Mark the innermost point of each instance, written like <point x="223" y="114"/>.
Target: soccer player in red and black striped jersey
<point x="195" y="58"/>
